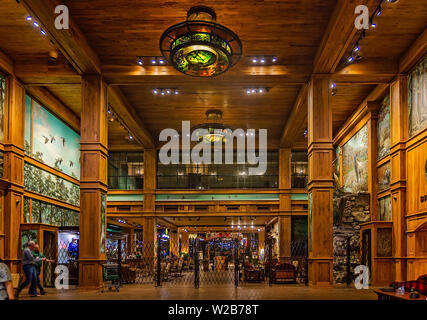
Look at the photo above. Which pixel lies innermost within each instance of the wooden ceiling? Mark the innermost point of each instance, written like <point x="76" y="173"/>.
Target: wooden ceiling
<point x="305" y="35"/>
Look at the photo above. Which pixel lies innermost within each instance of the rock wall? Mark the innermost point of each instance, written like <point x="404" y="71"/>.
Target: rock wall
<point x="350" y="210"/>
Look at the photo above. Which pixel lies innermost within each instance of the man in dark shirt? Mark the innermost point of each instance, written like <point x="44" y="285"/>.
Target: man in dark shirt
<point x="28" y="264"/>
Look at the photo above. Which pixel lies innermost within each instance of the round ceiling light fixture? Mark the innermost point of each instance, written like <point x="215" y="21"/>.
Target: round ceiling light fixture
<point x="199" y="46"/>
<point x="213" y="131"/>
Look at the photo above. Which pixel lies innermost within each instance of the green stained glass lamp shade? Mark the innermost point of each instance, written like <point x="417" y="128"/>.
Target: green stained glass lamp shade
<point x="200" y="48"/>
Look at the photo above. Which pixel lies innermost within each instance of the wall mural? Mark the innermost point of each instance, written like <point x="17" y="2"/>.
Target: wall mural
<point x="103" y="224"/>
<point x="2" y="102"/>
<point x="43" y="212"/>
<point x="384" y="208"/>
<point x="337" y="165"/>
<point x="383" y="176"/>
<point x="355" y="162"/>
<point x="26" y="236"/>
<point x="384" y="242"/>
<point x="383" y="128"/>
<point x="417" y="98"/>
<point x="48" y="184"/>
<point x="53" y="142"/>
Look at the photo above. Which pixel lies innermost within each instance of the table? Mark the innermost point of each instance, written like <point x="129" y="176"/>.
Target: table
<point x="383" y="295"/>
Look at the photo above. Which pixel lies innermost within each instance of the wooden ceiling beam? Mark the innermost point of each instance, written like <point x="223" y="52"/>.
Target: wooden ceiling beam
<point x="6" y="64"/>
<point x="72" y="43"/>
<point x="370" y="71"/>
<point x="339" y="34"/>
<point x="416" y="51"/>
<point x="134" y="75"/>
<point x="295" y="120"/>
<point x="128" y="115"/>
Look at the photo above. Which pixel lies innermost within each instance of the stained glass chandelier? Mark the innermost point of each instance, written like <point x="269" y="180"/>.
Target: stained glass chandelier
<point x="199" y="46"/>
<point x="216" y="132"/>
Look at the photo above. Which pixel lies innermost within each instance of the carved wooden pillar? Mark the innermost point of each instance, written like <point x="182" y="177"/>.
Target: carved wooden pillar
<point x="320" y="185"/>
<point x="285" y="204"/>
<point x="398" y="136"/>
<point x="14" y="172"/>
<point x="93" y="183"/>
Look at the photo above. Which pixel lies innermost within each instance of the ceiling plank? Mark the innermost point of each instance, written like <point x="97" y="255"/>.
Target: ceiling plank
<point x="72" y="43"/>
<point x="55" y="106"/>
<point x="417" y="50"/>
<point x="296" y="119"/>
<point x="338" y="35"/>
<point x="128" y="115"/>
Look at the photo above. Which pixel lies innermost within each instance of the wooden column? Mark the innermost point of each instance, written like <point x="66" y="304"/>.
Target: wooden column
<point x="372" y="160"/>
<point x="184" y="241"/>
<point x="150" y="178"/>
<point x="398" y="136"/>
<point x="93" y="183"/>
<point x="149" y="231"/>
<point x="148" y="236"/>
<point x="174" y="243"/>
<point x="14" y="172"/>
<point x="285" y="204"/>
<point x="320" y="185"/>
<point x="285" y="238"/>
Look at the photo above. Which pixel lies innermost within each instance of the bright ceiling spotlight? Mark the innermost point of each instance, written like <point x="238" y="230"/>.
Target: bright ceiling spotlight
<point x="176" y="92"/>
<point x="35" y="24"/>
<point x="350" y="59"/>
<point x="373" y="24"/>
<point x="28" y="18"/>
<point x="42" y="32"/>
<point x="248" y="91"/>
<point x="261" y="90"/>
<point x="155" y="91"/>
<point x="274" y="59"/>
<point x="254" y="60"/>
<point x="262" y="61"/>
<point x="199" y="46"/>
<point x="356" y="48"/>
<point x="153" y="61"/>
<point x="140" y="62"/>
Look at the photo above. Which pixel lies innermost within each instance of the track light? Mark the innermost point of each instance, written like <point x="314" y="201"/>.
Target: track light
<point x="254" y="60"/>
<point x="379" y="11"/>
<point x="373" y="24"/>
<point x="140" y="62"/>
<point x="28" y="18"/>
<point x="274" y="59"/>
<point x="42" y="32"/>
<point x="165" y="91"/>
<point x="153" y="61"/>
<point x="350" y="59"/>
<point x="35" y="24"/>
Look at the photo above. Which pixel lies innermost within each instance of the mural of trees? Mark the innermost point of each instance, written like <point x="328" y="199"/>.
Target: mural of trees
<point x="48" y="184"/>
<point x="43" y="212"/>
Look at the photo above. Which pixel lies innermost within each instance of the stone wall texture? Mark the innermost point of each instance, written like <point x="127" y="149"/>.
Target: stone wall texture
<point x="350" y="210"/>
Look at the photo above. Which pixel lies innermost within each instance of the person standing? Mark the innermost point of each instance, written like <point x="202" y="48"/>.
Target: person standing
<point x="28" y="264"/>
<point x="6" y="287"/>
<point x="38" y="265"/>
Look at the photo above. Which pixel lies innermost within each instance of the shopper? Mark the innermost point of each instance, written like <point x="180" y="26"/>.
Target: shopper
<point x="38" y="265"/>
<point x="6" y="287"/>
<point x="28" y="264"/>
